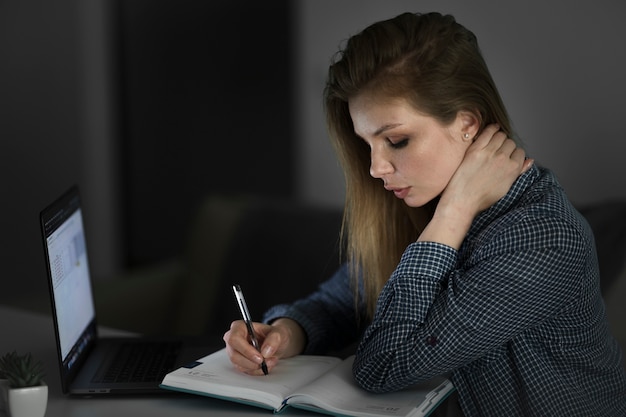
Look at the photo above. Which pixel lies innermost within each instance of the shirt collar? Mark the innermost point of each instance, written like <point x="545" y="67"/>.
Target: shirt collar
<point x="506" y="203"/>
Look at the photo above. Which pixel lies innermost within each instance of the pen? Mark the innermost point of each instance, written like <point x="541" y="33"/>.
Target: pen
<point x="245" y="313"/>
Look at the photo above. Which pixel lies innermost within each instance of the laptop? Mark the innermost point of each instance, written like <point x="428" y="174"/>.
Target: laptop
<point x="90" y="364"/>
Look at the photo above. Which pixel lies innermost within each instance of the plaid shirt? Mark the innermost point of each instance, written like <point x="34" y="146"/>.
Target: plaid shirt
<point x="515" y="317"/>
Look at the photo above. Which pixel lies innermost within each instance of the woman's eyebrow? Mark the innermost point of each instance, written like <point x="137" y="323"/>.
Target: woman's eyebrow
<point x="381" y="129"/>
<point x="386" y="127"/>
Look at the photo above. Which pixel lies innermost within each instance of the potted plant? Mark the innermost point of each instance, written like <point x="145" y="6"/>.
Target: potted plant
<point x="26" y="393"/>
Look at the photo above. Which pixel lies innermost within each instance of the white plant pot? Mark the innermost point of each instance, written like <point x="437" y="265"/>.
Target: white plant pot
<point x="27" y="402"/>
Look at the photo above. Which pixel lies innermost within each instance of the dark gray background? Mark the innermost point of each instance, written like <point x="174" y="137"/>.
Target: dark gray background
<point x="559" y="66"/>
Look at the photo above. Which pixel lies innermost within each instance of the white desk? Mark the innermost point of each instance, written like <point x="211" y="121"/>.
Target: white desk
<point x="29" y="332"/>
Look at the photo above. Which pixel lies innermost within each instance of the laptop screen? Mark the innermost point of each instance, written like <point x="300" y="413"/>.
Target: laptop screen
<point x="68" y="275"/>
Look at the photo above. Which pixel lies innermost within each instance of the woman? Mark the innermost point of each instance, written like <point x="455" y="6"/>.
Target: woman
<point x="463" y="257"/>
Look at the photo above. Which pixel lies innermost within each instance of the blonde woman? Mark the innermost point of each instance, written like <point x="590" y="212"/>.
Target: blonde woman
<point x="463" y="257"/>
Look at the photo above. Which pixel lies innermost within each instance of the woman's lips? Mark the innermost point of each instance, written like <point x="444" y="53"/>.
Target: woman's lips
<point x="400" y="193"/>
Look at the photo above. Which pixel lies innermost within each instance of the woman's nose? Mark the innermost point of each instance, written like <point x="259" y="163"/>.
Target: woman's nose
<point x="380" y="165"/>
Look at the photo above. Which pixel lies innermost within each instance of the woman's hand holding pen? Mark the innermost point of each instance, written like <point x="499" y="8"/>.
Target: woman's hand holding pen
<point x="282" y="339"/>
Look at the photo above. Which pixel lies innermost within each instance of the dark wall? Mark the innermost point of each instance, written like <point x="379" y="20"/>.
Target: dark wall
<point x="207" y="108"/>
<point x="199" y="100"/>
<point x="39" y="131"/>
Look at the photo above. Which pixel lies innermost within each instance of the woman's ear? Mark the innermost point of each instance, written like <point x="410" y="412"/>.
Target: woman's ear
<point x="468" y="124"/>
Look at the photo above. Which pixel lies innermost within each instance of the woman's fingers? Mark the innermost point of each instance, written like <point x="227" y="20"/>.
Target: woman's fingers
<point x="240" y="351"/>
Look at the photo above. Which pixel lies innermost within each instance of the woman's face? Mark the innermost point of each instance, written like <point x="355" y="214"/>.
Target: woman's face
<point x="413" y="154"/>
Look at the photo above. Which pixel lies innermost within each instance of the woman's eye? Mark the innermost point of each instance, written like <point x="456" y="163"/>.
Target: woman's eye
<point x="399" y="144"/>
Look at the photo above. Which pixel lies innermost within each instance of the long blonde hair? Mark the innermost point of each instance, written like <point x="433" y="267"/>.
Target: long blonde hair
<point x="434" y="63"/>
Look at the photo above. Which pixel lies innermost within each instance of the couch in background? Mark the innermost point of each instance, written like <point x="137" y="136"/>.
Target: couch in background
<point x="276" y="250"/>
<point x="608" y="221"/>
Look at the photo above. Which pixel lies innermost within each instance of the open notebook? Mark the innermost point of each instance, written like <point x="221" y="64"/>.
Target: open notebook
<point x="322" y="384"/>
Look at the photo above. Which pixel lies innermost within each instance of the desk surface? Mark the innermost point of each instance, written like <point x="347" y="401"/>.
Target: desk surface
<point x="30" y="332"/>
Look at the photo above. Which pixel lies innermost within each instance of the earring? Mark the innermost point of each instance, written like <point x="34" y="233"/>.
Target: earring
<point x="466" y="135"/>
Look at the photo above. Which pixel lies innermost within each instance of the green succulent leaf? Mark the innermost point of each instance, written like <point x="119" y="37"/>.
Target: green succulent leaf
<point x="21" y="370"/>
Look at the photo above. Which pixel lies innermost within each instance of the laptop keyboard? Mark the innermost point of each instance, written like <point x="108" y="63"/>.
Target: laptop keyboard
<point x="140" y="362"/>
